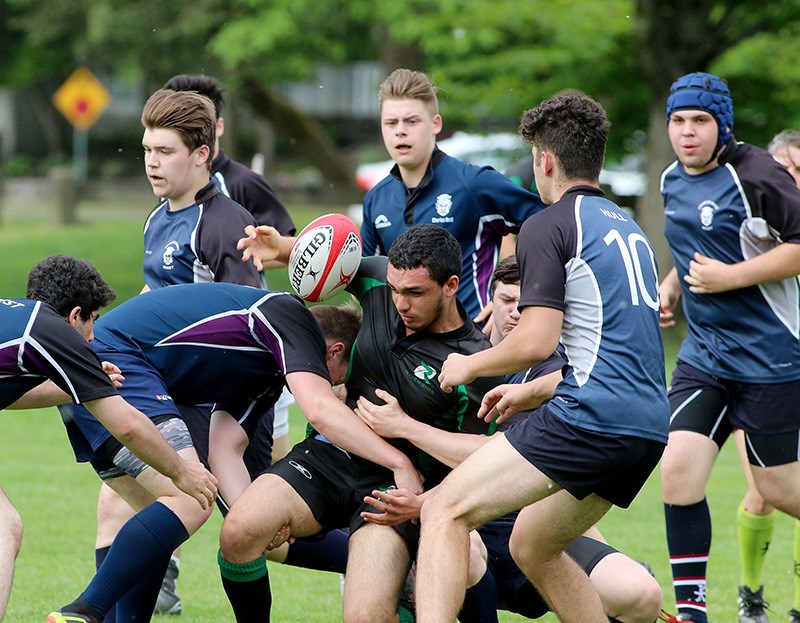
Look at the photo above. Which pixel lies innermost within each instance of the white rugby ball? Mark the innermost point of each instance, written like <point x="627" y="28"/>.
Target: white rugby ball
<point x="324" y="258"/>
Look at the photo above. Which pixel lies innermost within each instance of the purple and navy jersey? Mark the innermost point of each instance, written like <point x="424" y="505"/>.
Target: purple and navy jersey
<point x="217" y="342"/>
<point x="252" y="191"/>
<point x="587" y="257"/>
<point x="197" y="244"/>
<point x="478" y="205"/>
<point x="741" y="209"/>
<point x="37" y="344"/>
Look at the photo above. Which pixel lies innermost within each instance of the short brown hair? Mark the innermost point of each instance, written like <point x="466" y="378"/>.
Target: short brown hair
<point x="405" y="84"/>
<point x="189" y="114"/>
<point x="339" y="323"/>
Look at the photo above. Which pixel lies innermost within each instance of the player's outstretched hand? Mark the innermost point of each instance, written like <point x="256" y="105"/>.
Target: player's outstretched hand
<point x="485" y="315"/>
<point x="394" y="505"/>
<point x="386" y="420"/>
<point x="455" y="372"/>
<point x="261" y="244"/>
<point x="195" y="480"/>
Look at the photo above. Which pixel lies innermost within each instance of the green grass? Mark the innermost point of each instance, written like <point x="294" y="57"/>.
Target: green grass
<point x="57" y="497"/>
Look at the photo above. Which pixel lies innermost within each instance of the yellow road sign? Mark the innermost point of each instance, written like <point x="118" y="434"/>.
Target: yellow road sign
<point x="82" y="98"/>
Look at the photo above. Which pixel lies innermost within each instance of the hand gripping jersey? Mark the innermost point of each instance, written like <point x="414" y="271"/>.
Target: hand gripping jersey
<point x="734" y="212"/>
<point x="37" y="344"/>
<point x="587" y="257"/>
<point x="197" y="244"/>
<point x="213" y="343"/>
<point x="407" y="366"/>
<point x="478" y="205"/>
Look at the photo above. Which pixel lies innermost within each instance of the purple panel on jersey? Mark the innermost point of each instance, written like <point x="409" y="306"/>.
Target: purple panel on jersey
<point x="225" y="330"/>
<point x="485" y="254"/>
<point x="267" y="335"/>
<point x="8" y="360"/>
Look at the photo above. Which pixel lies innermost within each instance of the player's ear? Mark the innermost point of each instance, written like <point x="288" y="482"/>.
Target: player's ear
<point x="74" y="316"/>
<point x="451" y="285"/>
<point x="334" y="350"/>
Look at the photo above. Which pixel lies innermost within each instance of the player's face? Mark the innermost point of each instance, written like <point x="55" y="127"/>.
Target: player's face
<point x="174" y="172"/>
<point x="409" y="133"/>
<point x="85" y="327"/>
<point x="419" y="300"/>
<point x="505" y="314"/>
<point x="693" y="134"/>
<point x="789" y="157"/>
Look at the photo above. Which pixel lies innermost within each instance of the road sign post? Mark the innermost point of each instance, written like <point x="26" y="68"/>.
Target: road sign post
<point x="82" y="98"/>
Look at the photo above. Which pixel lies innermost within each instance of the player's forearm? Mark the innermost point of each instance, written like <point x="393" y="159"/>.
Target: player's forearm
<point x="448" y="447"/>
<point x="137" y="432"/>
<point x="779" y="263"/>
<point x="48" y="394"/>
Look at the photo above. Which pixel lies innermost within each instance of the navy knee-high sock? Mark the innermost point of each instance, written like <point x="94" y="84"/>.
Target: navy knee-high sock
<point x="99" y="556"/>
<point x="689" y="542"/>
<point x="138" y="551"/>
<point x="247" y="588"/>
<point x="328" y="553"/>
<point x="480" y="602"/>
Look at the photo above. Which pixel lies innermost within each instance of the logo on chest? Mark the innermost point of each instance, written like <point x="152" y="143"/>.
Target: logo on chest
<point x="424" y="376"/>
<point x="707" y="210"/>
<point x="168" y="257"/>
<point x="443" y="205"/>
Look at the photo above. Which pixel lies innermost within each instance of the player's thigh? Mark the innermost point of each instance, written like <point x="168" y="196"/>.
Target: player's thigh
<point x="626" y="588"/>
<point x="545" y="528"/>
<point x="265" y="506"/>
<point x="493" y="481"/>
<point x="378" y="561"/>
<point x="778" y="485"/>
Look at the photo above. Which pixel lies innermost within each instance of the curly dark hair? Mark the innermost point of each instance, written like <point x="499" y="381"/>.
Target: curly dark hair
<point x="574" y="128"/>
<point x="65" y="282"/>
<point x="428" y="246"/>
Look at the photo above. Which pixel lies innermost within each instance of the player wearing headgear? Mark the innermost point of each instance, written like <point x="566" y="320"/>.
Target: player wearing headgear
<point x="733" y="226"/>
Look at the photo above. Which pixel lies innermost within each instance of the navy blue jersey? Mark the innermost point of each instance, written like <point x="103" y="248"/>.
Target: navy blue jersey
<point x="37" y="344"/>
<point x="407" y="366"/>
<point x="734" y="212"/>
<point x="198" y="243"/>
<point x="252" y="191"/>
<point x="217" y="342"/>
<point x="478" y="205"/>
<point x="587" y="257"/>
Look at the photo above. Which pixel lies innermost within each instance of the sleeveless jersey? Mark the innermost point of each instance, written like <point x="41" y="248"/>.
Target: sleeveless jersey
<point x="587" y="257"/>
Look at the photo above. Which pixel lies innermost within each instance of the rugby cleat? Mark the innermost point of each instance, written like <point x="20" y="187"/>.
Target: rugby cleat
<point x="752" y="607"/>
<point x="69" y="617"/>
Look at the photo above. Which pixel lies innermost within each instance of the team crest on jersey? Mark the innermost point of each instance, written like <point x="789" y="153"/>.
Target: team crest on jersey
<point x="707" y="210"/>
<point x="169" y="252"/>
<point x="424" y="372"/>
<point x="443" y="204"/>
<point x="381" y="222"/>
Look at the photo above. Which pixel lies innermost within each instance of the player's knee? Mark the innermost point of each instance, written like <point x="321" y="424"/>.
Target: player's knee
<point x="645" y="604"/>
<point x="368" y="611"/>
<point x="238" y="541"/>
<point x="11" y="528"/>
<point x="477" y="559"/>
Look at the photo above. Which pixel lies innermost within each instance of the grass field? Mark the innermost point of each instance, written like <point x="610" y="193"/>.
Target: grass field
<point x="57" y="497"/>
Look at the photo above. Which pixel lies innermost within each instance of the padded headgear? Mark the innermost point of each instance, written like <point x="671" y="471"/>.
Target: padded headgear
<point x="702" y="91"/>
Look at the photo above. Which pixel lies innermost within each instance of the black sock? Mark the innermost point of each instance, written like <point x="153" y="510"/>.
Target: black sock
<point x="247" y="588"/>
<point x="480" y="602"/>
<point x="328" y="553"/>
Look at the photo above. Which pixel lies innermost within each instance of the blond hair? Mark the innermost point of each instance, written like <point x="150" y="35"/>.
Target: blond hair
<point x="405" y="84"/>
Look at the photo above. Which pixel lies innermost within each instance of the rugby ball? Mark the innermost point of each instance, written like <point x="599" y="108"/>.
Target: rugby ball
<point x="324" y="258"/>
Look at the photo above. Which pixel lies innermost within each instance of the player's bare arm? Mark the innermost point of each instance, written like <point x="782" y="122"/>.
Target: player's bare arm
<point x="503" y="401"/>
<point x="136" y="431"/>
<point x="534" y="339"/>
<point x="709" y="276"/>
<point x="669" y="292"/>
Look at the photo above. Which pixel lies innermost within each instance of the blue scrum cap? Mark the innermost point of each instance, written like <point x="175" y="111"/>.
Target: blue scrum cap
<point x="702" y="91"/>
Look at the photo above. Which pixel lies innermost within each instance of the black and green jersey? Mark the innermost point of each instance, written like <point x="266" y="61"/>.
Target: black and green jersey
<point x="407" y="366"/>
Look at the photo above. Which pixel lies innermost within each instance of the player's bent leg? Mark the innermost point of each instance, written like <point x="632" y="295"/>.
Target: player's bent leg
<point x="627" y="590"/>
<point x="377" y="565"/>
<point x="250" y="526"/>
<point x="778" y="485"/>
<point x="541" y="533"/>
<point x="112" y="513"/>
<point x="10" y="541"/>
<point x="465" y="500"/>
